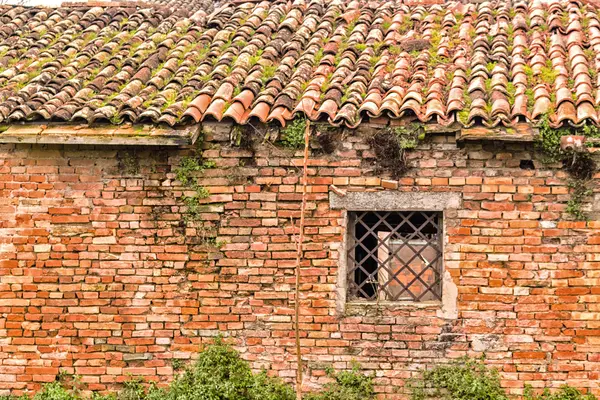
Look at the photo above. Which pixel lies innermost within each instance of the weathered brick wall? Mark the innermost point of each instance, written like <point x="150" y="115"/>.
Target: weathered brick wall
<point x="99" y="275"/>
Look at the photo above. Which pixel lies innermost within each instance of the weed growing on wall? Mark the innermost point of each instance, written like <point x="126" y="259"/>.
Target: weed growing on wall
<point x="293" y="134"/>
<point x="186" y="173"/>
<point x="579" y="191"/>
<point x="129" y="163"/>
<point x="549" y="140"/>
<point x="188" y="167"/>
<point x="579" y="165"/>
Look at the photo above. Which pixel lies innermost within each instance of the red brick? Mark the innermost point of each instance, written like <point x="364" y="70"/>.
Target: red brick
<point x="525" y="273"/>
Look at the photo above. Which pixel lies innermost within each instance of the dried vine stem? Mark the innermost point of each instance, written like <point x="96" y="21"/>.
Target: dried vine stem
<point x="298" y="261"/>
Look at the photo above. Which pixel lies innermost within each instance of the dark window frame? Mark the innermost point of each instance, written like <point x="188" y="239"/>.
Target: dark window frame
<point x="374" y="276"/>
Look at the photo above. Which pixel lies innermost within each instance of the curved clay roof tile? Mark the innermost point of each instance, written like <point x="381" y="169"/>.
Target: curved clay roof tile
<point x="263" y="68"/>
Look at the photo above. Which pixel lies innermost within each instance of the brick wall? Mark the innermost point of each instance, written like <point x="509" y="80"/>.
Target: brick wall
<point x="100" y="276"/>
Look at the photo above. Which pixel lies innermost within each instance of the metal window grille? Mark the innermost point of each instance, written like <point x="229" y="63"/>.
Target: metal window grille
<point x="395" y="256"/>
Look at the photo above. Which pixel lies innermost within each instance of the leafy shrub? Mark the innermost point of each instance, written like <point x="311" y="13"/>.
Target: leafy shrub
<point x="464" y="380"/>
<point x="346" y="385"/>
<point x="55" y="391"/>
<point x="564" y="393"/>
<point x="134" y="389"/>
<point x="220" y="374"/>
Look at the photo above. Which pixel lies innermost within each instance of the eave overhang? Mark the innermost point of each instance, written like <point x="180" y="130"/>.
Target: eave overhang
<point x="109" y="135"/>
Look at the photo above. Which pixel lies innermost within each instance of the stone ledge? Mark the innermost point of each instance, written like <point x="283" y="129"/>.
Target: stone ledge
<point x="369" y="307"/>
<point x="519" y="133"/>
<point x="395" y="201"/>
<point x="124" y="135"/>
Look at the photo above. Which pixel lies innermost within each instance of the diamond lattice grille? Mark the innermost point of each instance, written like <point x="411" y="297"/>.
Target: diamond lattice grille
<point x="395" y="256"/>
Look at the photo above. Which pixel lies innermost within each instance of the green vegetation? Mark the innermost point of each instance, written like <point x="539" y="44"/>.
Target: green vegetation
<point x="548" y="73"/>
<point x="346" y="385"/>
<point x="190" y="165"/>
<point x="549" y="139"/>
<point x="579" y="191"/>
<point x="579" y="165"/>
<point x="564" y="393"/>
<point x="218" y="374"/>
<point x="390" y="146"/>
<point x="465" y="379"/>
<point x="409" y="136"/>
<point x="318" y="57"/>
<point x="268" y="73"/>
<point x="293" y="134"/>
<point x="129" y="162"/>
<point x="186" y="174"/>
<point x="255" y="58"/>
<point x="406" y="24"/>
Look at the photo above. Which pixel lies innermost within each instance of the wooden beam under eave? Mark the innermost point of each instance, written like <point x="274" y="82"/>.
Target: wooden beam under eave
<point x="107" y="135"/>
<point x="521" y="132"/>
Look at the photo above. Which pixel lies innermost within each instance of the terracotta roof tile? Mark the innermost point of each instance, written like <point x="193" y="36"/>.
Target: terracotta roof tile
<point x="495" y="63"/>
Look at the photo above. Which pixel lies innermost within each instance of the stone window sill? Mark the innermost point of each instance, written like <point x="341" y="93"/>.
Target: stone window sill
<point x="367" y="307"/>
<point x="395" y="304"/>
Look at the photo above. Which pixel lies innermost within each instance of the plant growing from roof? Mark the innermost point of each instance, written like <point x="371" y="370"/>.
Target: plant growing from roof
<point x="318" y="56"/>
<point x="390" y="146"/>
<point x="254" y="59"/>
<point x="268" y="73"/>
<point x="350" y="27"/>
<point x="386" y="25"/>
<point x="579" y="165"/>
<point x="293" y="134"/>
<point x="116" y="119"/>
<point x="463" y="114"/>
<point x="511" y="90"/>
<point x="548" y="73"/>
<point x="406" y="24"/>
<point x="395" y="50"/>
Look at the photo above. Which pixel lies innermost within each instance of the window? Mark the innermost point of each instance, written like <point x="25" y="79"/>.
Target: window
<point x="395" y="256"/>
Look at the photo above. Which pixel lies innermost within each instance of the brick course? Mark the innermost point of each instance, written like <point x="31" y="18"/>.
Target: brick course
<point x="100" y="276"/>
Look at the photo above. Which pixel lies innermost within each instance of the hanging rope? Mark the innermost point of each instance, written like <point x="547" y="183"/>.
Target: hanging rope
<point x="298" y="261"/>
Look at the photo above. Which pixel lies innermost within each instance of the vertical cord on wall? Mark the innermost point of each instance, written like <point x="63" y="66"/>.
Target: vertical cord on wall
<point x="298" y="261"/>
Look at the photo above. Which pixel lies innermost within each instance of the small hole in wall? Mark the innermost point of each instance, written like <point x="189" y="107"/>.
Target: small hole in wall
<point x="526" y="164"/>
